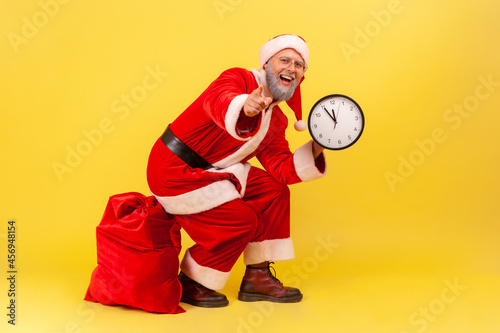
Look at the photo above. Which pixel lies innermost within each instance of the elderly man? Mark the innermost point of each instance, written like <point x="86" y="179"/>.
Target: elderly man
<point x="199" y="171"/>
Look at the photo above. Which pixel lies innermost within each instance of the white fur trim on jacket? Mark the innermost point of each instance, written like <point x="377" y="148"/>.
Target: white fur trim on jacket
<point x="260" y="76"/>
<point x="206" y="276"/>
<point x="210" y="196"/>
<point x="232" y="115"/>
<point x="200" y="200"/>
<point x="304" y="163"/>
<point x="248" y="147"/>
<point x="253" y="142"/>
<point x="268" y="250"/>
<point x="240" y="171"/>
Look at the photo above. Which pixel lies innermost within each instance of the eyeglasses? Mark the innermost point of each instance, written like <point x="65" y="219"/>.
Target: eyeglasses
<point x="285" y="62"/>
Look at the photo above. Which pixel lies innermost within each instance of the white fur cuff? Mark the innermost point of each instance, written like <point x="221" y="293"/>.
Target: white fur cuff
<point x="208" y="277"/>
<point x="233" y="114"/>
<point x="268" y="250"/>
<point x="305" y="165"/>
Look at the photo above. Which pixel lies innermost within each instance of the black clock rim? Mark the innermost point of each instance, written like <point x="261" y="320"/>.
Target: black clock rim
<point x="336" y="95"/>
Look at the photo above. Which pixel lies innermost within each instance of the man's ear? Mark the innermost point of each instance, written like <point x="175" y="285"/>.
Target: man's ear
<point x="265" y="66"/>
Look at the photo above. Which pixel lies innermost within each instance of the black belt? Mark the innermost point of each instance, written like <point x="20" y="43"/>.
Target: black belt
<point x="182" y="151"/>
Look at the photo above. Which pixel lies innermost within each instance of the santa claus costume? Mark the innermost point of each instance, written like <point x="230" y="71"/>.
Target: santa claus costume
<point x="227" y="206"/>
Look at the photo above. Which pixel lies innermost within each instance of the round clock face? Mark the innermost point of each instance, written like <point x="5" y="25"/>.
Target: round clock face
<point x="336" y="122"/>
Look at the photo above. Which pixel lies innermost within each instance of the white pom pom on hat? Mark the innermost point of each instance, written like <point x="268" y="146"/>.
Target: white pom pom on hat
<point x="300" y="125"/>
<point x="276" y="45"/>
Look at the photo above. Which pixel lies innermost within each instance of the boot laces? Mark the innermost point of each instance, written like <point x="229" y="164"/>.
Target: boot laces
<point x="273" y="273"/>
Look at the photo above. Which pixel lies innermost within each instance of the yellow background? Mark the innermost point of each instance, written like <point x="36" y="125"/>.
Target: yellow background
<point x="407" y="213"/>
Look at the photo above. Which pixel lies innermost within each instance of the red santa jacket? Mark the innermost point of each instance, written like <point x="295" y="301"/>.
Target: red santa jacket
<point x="215" y="126"/>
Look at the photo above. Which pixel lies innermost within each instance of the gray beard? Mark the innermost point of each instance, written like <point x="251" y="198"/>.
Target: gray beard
<point x="279" y="93"/>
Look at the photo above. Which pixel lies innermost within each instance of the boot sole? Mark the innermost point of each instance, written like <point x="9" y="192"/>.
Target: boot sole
<point x="249" y="297"/>
<point x="205" y="304"/>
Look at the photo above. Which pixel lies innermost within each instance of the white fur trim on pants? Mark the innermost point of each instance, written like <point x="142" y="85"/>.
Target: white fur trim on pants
<point x="269" y="250"/>
<point x="206" y="276"/>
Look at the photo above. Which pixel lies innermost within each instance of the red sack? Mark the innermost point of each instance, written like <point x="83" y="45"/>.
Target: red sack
<point x="137" y="256"/>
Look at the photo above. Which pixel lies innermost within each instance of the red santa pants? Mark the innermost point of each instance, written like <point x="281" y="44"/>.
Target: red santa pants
<point x="258" y="225"/>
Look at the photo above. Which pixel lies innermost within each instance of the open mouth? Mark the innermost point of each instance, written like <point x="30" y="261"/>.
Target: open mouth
<point x="286" y="79"/>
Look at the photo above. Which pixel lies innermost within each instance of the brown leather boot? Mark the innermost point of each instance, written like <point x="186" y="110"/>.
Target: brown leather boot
<point x="259" y="284"/>
<point x="196" y="294"/>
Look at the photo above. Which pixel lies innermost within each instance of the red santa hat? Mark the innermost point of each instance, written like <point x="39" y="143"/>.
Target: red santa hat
<point x="274" y="46"/>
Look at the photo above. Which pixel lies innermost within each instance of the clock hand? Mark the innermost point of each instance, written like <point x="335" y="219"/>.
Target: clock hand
<point x="338" y="111"/>
<point x="331" y="116"/>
